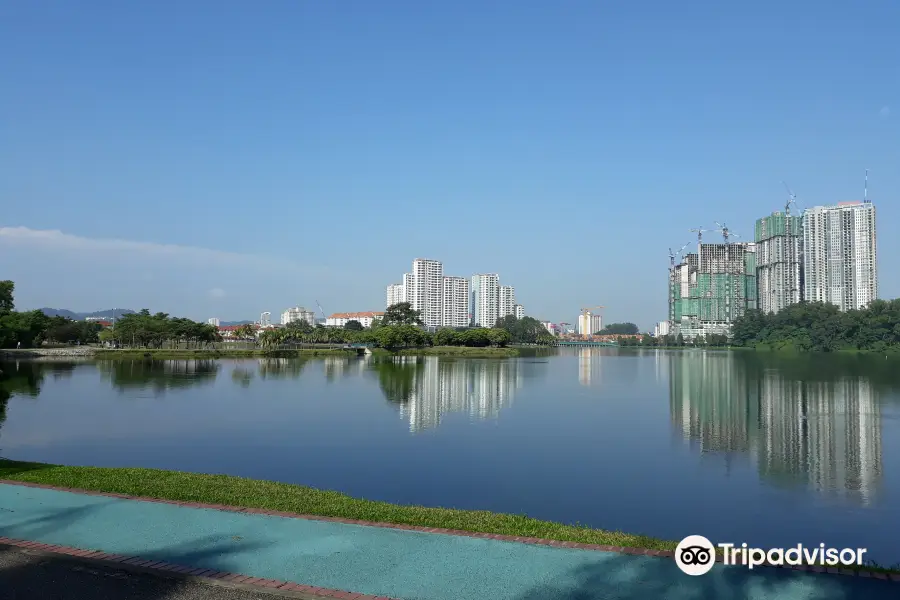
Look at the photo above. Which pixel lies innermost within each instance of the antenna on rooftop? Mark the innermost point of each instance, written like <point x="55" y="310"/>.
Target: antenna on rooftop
<point x="866" y="189"/>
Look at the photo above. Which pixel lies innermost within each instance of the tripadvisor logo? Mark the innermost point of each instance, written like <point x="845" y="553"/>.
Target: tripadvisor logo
<point x="696" y="555"/>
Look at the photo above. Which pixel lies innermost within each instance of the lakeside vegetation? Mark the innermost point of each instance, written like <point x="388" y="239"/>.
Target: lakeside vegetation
<point x="821" y="327"/>
<point x="802" y="327"/>
<point x="33" y="328"/>
<point x="160" y="335"/>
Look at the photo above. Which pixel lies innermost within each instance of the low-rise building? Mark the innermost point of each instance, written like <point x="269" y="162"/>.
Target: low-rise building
<point x="364" y="318"/>
<point x="227" y="331"/>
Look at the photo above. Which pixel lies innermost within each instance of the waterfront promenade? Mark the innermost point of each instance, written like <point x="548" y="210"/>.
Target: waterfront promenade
<point x="309" y="557"/>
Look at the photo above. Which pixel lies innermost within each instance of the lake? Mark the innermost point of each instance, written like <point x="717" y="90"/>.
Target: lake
<point x="736" y="446"/>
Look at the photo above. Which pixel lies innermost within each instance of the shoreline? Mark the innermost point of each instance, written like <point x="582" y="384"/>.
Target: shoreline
<point x="236" y="493"/>
<point x="89" y="353"/>
<point x="213" y="353"/>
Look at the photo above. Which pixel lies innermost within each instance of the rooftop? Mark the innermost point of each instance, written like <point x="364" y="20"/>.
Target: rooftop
<point x="357" y="315"/>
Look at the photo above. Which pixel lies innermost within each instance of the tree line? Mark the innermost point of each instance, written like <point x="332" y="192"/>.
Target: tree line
<point x="804" y="327"/>
<point x="401" y="327"/>
<point x="819" y="326"/>
<point x="32" y="328"/>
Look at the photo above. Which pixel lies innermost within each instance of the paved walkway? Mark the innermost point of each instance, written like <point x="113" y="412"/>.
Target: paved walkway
<point x="379" y="561"/>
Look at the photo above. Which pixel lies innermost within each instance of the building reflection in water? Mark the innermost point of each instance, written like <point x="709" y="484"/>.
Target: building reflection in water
<point x="342" y="366"/>
<point x="158" y="375"/>
<point x="821" y="431"/>
<point x="427" y="388"/>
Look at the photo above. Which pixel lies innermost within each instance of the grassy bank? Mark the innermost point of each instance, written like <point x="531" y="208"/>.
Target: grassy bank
<point x="236" y="491"/>
<point x="251" y="493"/>
<point x="228" y="353"/>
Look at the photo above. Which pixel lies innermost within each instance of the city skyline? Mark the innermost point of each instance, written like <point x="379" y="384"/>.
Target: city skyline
<point x="452" y="301"/>
<point x="826" y="254"/>
<point x="222" y="186"/>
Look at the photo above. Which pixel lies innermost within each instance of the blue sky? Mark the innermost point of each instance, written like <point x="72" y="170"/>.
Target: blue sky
<point x="223" y="158"/>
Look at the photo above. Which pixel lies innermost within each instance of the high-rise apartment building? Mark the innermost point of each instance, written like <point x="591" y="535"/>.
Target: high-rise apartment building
<point x="520" y="311"/>
<point x="779" y="245"/>
<point x="712" y="288"/>
<point x="396" y="293"/>
<point x="265" y="319"/>
<point x="427" y="290"/>
<point x="213" y="321"/>
<point x="298" y="313"/>
<point x="589" y="323"/>
<point x="507" y="301"/>
<point x="485" y="299"/>
<point x="399" y="292"/>
<point x="839" y="255"/>
<point x="456" y="302"/>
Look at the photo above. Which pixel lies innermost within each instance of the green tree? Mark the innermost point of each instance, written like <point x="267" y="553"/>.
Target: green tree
<point x="401" y="313"/>
<point x="245" y="332"/>
<point x="353" y="325"/>
<point x="7" y="289"/>
<point x="445" y="337"/>
<point x="300" y="325"/>
<point x="526" y="330"/>
<point x="620" y="329"/>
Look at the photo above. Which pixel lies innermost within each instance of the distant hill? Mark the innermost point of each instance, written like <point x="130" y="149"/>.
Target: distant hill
<point x="107" y="314"/>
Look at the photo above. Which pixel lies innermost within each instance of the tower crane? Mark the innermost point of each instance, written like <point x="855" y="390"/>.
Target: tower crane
<point x="700" y="231"/>
<point x="792" y="198"/>
<point x="726" y="233"/>
<point x="673" y="255"/>
<point x="321" y="310"/>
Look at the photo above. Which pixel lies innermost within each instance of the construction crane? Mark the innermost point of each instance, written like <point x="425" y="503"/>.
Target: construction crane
<point x="699" y="231"/>
<point x="726" y="233"/>
<point x="673" y="255"/>
<point x="792" y="198"/>
<point x="321" y="310"/>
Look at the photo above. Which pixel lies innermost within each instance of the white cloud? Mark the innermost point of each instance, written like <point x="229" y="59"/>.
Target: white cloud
<point x="53" y="239"/>
<point x="216" y="293"/>
<point x="885" y="112"/>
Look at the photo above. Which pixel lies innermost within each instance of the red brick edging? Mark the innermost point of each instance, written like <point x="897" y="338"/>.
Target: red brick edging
<point x="209" y="576"/>
<point x="895" y="577"/>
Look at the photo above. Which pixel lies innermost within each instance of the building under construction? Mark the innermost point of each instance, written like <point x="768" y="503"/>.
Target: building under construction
<point x="779" y="243"/>
<point x="711" y="288"/>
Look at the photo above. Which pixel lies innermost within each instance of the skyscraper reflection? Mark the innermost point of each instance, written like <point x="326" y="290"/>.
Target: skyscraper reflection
<point x="428" y="388"/>
<point x="826" y="434"/>
<point x="814" y="426"/>
<point x="712" y="401"/>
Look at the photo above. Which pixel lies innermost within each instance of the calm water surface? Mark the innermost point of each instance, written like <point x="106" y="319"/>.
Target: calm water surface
<point x="734" y="446"/>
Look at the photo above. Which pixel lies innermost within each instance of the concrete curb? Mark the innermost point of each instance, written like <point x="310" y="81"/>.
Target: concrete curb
<point x="133" y="564"/>
<point x="895" y="577"/>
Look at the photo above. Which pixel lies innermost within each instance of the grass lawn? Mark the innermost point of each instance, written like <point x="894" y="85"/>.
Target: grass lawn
<point x="236" y="491"/>
<point x="251" y="493"/>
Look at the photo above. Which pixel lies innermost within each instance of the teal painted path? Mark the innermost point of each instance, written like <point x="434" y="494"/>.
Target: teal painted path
<point x="396" y="563"/>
